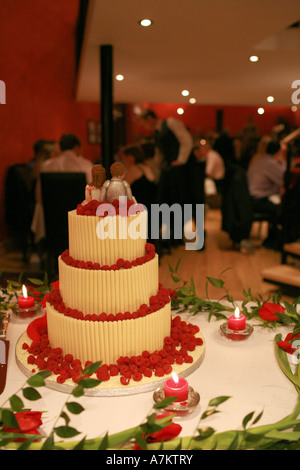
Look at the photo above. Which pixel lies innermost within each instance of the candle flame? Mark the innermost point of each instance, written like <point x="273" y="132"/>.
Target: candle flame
<point x="175" y="377"/>
<point x="237" y="312"/>
<point x="24" y="291"/>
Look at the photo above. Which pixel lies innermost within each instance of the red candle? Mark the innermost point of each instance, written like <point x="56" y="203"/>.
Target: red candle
<point x="237" y="322"/>
<point x="176" y="387"/>
<point x="25" y="301"/>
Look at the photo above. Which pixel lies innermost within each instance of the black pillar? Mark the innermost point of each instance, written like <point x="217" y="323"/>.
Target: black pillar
<point x="106" y="105"/>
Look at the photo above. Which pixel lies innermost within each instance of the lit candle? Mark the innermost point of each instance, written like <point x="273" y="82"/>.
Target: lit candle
<point x="25" y="301"/>
<point x="176" y="387"/>
<point x="237" y="322"/>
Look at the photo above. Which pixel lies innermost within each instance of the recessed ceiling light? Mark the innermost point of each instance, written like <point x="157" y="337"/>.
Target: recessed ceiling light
<point x="145" y="22"/>
<point x="185" y="93"/>
<point x="192" y="100"/>
<point x="180" y="111"/>
<point x="270" y="99"/>
<point x="260" y="110"/>
<point x="253" y="58"/>
<point x="119" y="77"/>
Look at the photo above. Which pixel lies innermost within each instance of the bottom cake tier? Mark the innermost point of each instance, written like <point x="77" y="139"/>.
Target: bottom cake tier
<point x="106" y="341"/>
<point x="183" y="352"/>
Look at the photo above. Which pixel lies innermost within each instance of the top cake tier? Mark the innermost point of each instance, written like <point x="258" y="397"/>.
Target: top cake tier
<point x="104" y="240"/>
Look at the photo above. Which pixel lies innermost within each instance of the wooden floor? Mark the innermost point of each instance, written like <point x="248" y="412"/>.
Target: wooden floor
<point x="245" y="269"/>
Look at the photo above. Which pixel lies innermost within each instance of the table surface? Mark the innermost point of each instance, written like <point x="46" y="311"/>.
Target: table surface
<point x="247" y="371"/>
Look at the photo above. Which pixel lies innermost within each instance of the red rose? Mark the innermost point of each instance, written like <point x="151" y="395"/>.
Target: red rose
<point x="287" y="343"/>
<point x="268" y="311"/>
<point x="28" y="422"/>
<point x="166" y="434"/>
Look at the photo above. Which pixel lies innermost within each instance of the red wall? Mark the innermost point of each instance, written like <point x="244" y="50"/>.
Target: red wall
<point x="37" y="43"/>
<point x="202" y="118"/>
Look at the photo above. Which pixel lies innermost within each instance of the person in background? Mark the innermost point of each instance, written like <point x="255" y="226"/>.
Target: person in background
<point x="171" y="137"/>
<point x="70" y="159"/>
<point x="214" y="164"/>
<point x="137" y="164"/>
<point x="140" y="175"/>
<point x="261" y="149"/>
<point x="265" y="181"/>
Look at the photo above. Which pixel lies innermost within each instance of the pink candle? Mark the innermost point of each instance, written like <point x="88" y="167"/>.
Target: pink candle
<point x="176" y="387"/>
<point x="237" y="322"/>
<point x="25" y="301"/>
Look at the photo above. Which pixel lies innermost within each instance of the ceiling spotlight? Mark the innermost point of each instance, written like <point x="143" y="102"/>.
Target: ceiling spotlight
<point x="185" y="93"/>
<point x="119" y="77"/>
<point x="253" y="58"/>
<point x="270" y="99"/>
<point x="192" y="100"/>
<point x="180" y="111"/>
<point x="260" y="110"/>
<point x="294" y="108"/>
<point x="145" y="22"/>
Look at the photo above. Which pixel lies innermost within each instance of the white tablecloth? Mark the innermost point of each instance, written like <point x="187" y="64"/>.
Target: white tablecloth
<point x="247" y="371"/>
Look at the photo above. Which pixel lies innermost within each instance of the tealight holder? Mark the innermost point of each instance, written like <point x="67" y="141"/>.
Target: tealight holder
<point x="27" y="312"/>
<point x="236" y="335"/>
<point x="180" y="408"/>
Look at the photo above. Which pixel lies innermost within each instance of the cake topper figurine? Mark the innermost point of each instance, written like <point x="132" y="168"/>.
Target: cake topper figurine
<point x="115" y="187"/>
<point x="92" y="191"/>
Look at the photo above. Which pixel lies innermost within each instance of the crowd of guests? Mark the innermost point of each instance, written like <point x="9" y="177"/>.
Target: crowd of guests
<point x="173" y="166"/>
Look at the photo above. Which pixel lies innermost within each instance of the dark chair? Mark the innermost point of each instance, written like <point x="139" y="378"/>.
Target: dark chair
<point x="19" y="205"/>
<point x="237" y="207"/>
<point x="61" y="193"/>
<point x="181" y="185"/>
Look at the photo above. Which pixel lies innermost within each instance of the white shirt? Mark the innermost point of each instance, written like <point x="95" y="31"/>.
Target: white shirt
<point x="68" y="161"/>
<point x="215" y="167"/>
<point x="184" y="137"/>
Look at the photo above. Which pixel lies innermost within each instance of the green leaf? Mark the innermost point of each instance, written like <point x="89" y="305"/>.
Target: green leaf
<point x="104" y="443"/>
<point x="204" y="434"/>
<point x="27" y="443"/>
<point x="49" y="443"/>
<point x="35" y="281"/>
<point x="175" y="279"/>
<point x="37" y="380"/>
<point x="16" y="403"/>
<point x="184" y="291"/>
<point x="219" y="283"/>
<point x="170" y="268"/>
<point x="234" y="443"/>
<point x="78" y="391"/>
<point x="65" y="417"/>
<point x="208" y="413"/>
<point x="91" y="368"/>
<point x="31" y="393"/>
<point x="80" y="445"/>
<point x="177" y="265"/>
<point x="257" y="418"/>
<point x="164" y="403"/>
<point x="218" y="400"/>
<point x="66" y="431"/>
<point x="89" y="383"/>
<point x="247" y="419"/>
<point x="9" y="419"/>
<point x="74" y="408"/>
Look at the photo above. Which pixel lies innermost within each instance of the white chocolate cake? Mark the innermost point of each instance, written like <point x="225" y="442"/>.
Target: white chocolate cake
<point x="108" y="305"/>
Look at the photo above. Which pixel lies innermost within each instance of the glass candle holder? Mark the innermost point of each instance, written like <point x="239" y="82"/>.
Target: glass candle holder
<point x="29" y="312"/>
<point x="180" y="408"/>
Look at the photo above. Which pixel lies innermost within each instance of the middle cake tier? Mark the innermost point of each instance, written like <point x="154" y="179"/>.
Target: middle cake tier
<point x="97" y="291"/>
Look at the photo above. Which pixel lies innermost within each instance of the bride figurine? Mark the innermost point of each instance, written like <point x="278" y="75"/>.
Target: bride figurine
<point x="115" y="187"/>
<point x="92" y="191"/>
